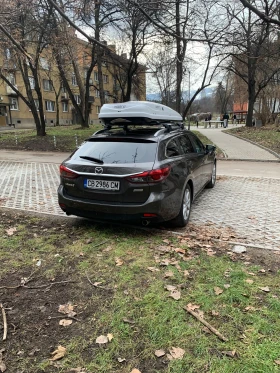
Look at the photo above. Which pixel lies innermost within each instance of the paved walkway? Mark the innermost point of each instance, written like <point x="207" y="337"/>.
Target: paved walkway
<point x="235" y="148"/>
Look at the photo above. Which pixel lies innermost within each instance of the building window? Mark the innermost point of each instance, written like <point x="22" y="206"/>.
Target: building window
<point x="105" y="79"/>
<point x="98" y="109"/>
<point x="74" y="80"/>
<point x="97" y="93"/>
<point x="96" y="76"/>
<point x="50" y="105"/>
<point x="104" y="63"/>
<point x="31" y="82"/>
<point x="7" y="54"/>
<point x="36" y="102"/>
<point x="14" y="103"/>
<point x="77" y="99"/>
<point x="63" y="89"/>
<point x="47" y="85"/>
<point x="11" y="78"/>
<point x="44" y="63"/>
<point x="65" y="107"/>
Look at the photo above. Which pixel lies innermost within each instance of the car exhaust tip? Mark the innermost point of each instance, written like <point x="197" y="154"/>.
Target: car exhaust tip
<point x="145" y="222"/>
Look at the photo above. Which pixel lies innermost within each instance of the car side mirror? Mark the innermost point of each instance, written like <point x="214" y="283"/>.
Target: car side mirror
<point x="209" y="149"/>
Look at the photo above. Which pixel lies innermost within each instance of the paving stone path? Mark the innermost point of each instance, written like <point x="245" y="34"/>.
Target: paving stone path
<point x="249" y="205"/>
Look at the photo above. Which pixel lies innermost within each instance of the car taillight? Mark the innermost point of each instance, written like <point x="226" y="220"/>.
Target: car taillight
<point x="152" y="176"/>
<point x="66" y="173"/>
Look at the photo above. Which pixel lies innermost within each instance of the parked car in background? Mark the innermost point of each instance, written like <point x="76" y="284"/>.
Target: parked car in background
<point x="138" y="168"/>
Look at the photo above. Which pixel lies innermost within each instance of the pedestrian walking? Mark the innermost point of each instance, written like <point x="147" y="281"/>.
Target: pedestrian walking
<point x="225" y="119"/>
<point x="234" y="121"/>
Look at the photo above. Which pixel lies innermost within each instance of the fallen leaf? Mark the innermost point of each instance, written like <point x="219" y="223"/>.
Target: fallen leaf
<point x="262" y="270"/>
<point x="170" y="287"/>
<point x="175" y="295"/>
<point x="226" y="286"/>
<point x="210" y="252"/>
<point x="214" y="313"/>
<point x="265" y="289"/>
<point x="218" y="290"/>
<point x="168" y="274"/>
<point x="249" y="281"/>
<point x="135" y="371"/>
<point x="277" y="362"/>
<point x="121" y="360"/>
<point x="118" y="262"/>
<point x="166" y="241"/>
<point x="110" y="337"/>
<point x="179" y="250"/>
<point x="186" y="273"/>
<point x="96" y="284"/>
<point x="102" y="339"/>
<point x="153" y="269"/>
<point x="2" y="366"/>
<point x="67" y="309"/>
<point x="159" y="353"/>
<point x="128" y="321"/>
<point x="192" y="307"/>
<point x="229" y="353"/>
<point x="249" y="308"/>
<point x="176" y="353"/>
<point x="65" y="322"/>
<point x="165" y="262"/>
<point x="59" y="353"/>
<point x="251" y="273"/>
<point x="11" y="231"/>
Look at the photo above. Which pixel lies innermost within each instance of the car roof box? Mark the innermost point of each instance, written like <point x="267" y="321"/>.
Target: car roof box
<point x="137" y="113"/>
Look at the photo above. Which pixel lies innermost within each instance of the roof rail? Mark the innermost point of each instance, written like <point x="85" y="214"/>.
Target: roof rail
<point x="173" y="126"/>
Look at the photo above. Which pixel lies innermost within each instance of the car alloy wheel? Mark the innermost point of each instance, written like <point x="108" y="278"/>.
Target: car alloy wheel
<point x="213" y="177"/>
<point x="183" y="217"/>
<point x="186" y="204"/>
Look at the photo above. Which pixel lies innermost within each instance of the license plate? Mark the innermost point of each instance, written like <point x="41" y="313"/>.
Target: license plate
<point x="102" y="184"/>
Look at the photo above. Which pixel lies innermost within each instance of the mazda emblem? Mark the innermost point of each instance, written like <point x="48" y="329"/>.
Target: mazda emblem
<point x="98" y="170"/>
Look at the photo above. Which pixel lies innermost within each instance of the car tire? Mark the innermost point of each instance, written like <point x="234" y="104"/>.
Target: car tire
<point x="183" y="217"/>
<point x="212" y="181"/>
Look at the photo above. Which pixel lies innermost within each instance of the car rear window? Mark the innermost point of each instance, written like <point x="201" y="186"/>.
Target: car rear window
<point x="118" y="151"/>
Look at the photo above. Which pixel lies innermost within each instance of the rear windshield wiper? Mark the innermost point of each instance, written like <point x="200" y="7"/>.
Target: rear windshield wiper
<point x="91" y="159"/>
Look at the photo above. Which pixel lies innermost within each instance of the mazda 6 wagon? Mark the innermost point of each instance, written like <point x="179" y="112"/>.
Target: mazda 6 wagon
<point x="141" y="174"/>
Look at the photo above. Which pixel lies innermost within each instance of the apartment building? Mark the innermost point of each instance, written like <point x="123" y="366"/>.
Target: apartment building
<point x="58" y="107"/>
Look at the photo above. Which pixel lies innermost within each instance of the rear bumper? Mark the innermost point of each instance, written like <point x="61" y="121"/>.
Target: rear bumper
<point x="156" y="204"/>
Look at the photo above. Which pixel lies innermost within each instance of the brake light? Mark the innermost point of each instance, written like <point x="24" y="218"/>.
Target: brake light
<point x="152" y="176"/>
<point x="66" y="173"/>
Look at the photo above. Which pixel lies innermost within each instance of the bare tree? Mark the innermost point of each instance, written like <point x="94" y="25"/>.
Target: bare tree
<point x="255" y="52"/>
<point x="25" y="36"/>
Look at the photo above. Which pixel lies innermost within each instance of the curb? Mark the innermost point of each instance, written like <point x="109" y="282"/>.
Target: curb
<point x="248" y="160"/>
<point x="260" y="146"/>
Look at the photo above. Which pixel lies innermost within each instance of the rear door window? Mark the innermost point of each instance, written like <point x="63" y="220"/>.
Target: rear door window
<point x="172" y="148"/>
<point x="186" y="144"/>
<point x="118" y="151"/>
<point x="198" y="146"/>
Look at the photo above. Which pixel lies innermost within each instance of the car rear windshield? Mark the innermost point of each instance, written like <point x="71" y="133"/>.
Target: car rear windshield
<point x="118" y="151"/>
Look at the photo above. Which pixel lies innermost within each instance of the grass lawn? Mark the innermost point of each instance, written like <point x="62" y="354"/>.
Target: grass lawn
<point x="122" y="283"/>
<point x="66" y="139"/>
<point x="268" y="136"/>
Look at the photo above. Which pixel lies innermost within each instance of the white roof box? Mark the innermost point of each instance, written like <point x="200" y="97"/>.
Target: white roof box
<point x="138" y="112"/>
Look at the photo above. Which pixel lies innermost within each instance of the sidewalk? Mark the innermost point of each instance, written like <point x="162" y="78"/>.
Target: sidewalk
<point x="235" y="148"/>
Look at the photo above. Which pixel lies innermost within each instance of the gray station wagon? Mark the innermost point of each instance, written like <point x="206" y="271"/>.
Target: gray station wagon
<point x="134" y="173"/>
